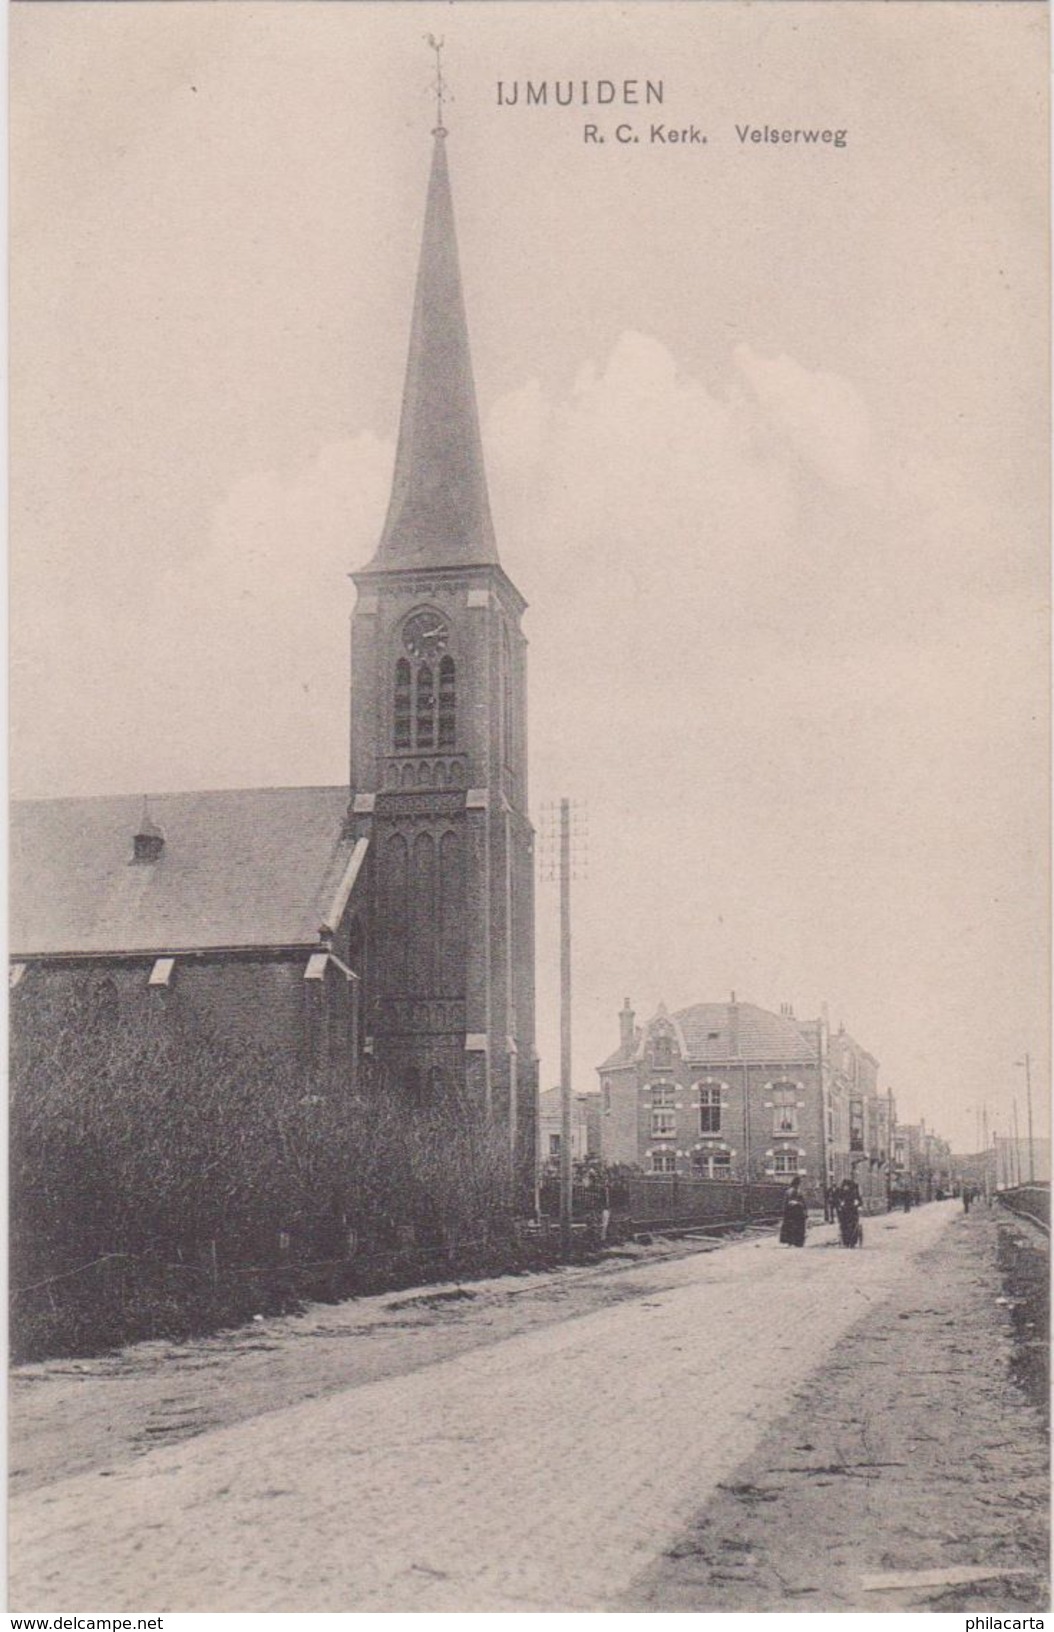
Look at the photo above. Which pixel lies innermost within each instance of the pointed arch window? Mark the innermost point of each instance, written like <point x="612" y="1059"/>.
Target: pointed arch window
<point x="424" y="714"/>
<point x="426" y="707"/>
<point x="402" y="705"/>
<point x="447" y="703"/>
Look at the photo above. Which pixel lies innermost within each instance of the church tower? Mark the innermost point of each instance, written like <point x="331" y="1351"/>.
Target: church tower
<point x="439" y="742"/>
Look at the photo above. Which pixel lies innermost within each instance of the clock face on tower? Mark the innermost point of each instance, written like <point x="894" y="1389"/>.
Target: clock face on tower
<point x="425" y="634"/>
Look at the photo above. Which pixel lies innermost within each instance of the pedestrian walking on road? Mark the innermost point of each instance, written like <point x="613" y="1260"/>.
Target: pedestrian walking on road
<point x="967" y="1198"/>
<point x="795" y="1216"/>
<point x="829" y="1211"/>
<point x="850" y="1203"/>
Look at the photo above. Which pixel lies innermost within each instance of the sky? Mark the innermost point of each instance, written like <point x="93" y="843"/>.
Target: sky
<point x="766" y="434"/>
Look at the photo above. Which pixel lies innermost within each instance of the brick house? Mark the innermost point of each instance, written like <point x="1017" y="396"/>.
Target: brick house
<point x="386" y="925"/>
<point x="859" y="1117"/>
<point x="585" y="1126"/>
<point x="730" y="1090"/>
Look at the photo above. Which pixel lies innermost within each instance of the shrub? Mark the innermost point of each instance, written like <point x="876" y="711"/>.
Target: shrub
<point x="183" y="1162"/>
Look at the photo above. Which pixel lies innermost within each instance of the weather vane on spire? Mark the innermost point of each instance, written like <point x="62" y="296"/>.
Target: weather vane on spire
<point x="439" y="84"/>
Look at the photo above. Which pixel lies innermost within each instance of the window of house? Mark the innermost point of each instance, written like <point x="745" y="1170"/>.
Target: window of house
<point x="554" y="1144"/>
<point x="661" y="1094"/>
<point x="712" y="1164"/>
<point x="663" y="1161"/>
<point x="784" y="1107"/>
<point x="607" y="1096"/>
<point x="709" y="1107"/>
<point x="856" y="1124"/>
<point x="785" y="1161"/>
<point x="663" y="1124"/>
<point x="662" y="1050"/>
<point x="447" y="703"/>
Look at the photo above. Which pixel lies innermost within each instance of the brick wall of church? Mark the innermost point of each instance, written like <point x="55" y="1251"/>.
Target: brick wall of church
<point x="266" y="1003"/>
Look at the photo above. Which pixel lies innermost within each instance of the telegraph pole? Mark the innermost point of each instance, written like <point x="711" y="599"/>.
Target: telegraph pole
<point x="565" y="1026"/>
<point x="563" y="835"/>
<point x="1027" y="1063"/>
<point x="1017" y="1144"/>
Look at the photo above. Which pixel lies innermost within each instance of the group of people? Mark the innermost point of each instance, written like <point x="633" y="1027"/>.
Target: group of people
<point x="845" y="1203"/>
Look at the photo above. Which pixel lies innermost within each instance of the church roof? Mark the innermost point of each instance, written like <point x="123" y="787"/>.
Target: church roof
<point x="248" y="867"/>
<point x="712" y="1032"/>
<point x="439" y="512"/>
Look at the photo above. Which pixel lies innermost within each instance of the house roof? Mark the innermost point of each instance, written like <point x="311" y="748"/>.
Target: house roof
<point x="247" y="867"/>
<point x="712" y="1032"/>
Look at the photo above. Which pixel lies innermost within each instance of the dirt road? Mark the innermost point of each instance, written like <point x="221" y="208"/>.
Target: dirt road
<point x="910" y="1453"/>
<point x="465" y="1453"/>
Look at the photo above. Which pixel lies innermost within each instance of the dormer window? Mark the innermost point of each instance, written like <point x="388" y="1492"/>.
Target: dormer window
<point x="149" y="840"/>
<point x="662" y="1050"/>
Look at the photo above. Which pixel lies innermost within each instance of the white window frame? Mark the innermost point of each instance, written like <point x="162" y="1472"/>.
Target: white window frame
<point x="707" y="1161"/>
<point x="714" y="1093"/>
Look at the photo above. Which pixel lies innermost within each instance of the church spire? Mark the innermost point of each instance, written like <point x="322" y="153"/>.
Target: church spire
<point x="439" y="512"/>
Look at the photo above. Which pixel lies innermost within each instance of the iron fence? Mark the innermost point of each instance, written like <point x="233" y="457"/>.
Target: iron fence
<point x="674" y="1199"/>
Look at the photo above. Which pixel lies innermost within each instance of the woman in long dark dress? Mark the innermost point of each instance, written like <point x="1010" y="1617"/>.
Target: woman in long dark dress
<point x="792" y="1229"/>
<point x="850" y="1203"/>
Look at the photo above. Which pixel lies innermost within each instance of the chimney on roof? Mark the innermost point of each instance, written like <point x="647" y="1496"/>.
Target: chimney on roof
<point x="733" y="1025"/>
<point x="149" y="840"/>
<point x="625" y="1021"/>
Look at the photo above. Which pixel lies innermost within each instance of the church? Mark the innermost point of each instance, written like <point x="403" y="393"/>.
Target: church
<point x="384" y="929"/>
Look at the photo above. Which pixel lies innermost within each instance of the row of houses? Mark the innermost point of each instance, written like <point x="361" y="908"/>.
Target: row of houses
<point x="734" y="1091"/>
<point x="925" y="1162"/>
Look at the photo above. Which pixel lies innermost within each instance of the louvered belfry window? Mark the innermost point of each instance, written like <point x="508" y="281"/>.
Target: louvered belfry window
<point x="402" y="705"/>
<point x="447" y="703"/>
<point x="424" y="717"/>
<point x="426" y="708"/>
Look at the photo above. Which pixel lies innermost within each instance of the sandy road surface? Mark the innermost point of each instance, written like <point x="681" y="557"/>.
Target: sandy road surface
<point x="76" y="1416"/>
<point x="543" y="1471"/>
<point x="911" y="1453"/>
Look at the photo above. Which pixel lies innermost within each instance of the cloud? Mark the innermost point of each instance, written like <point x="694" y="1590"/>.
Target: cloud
<point x="821" y="416"/>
